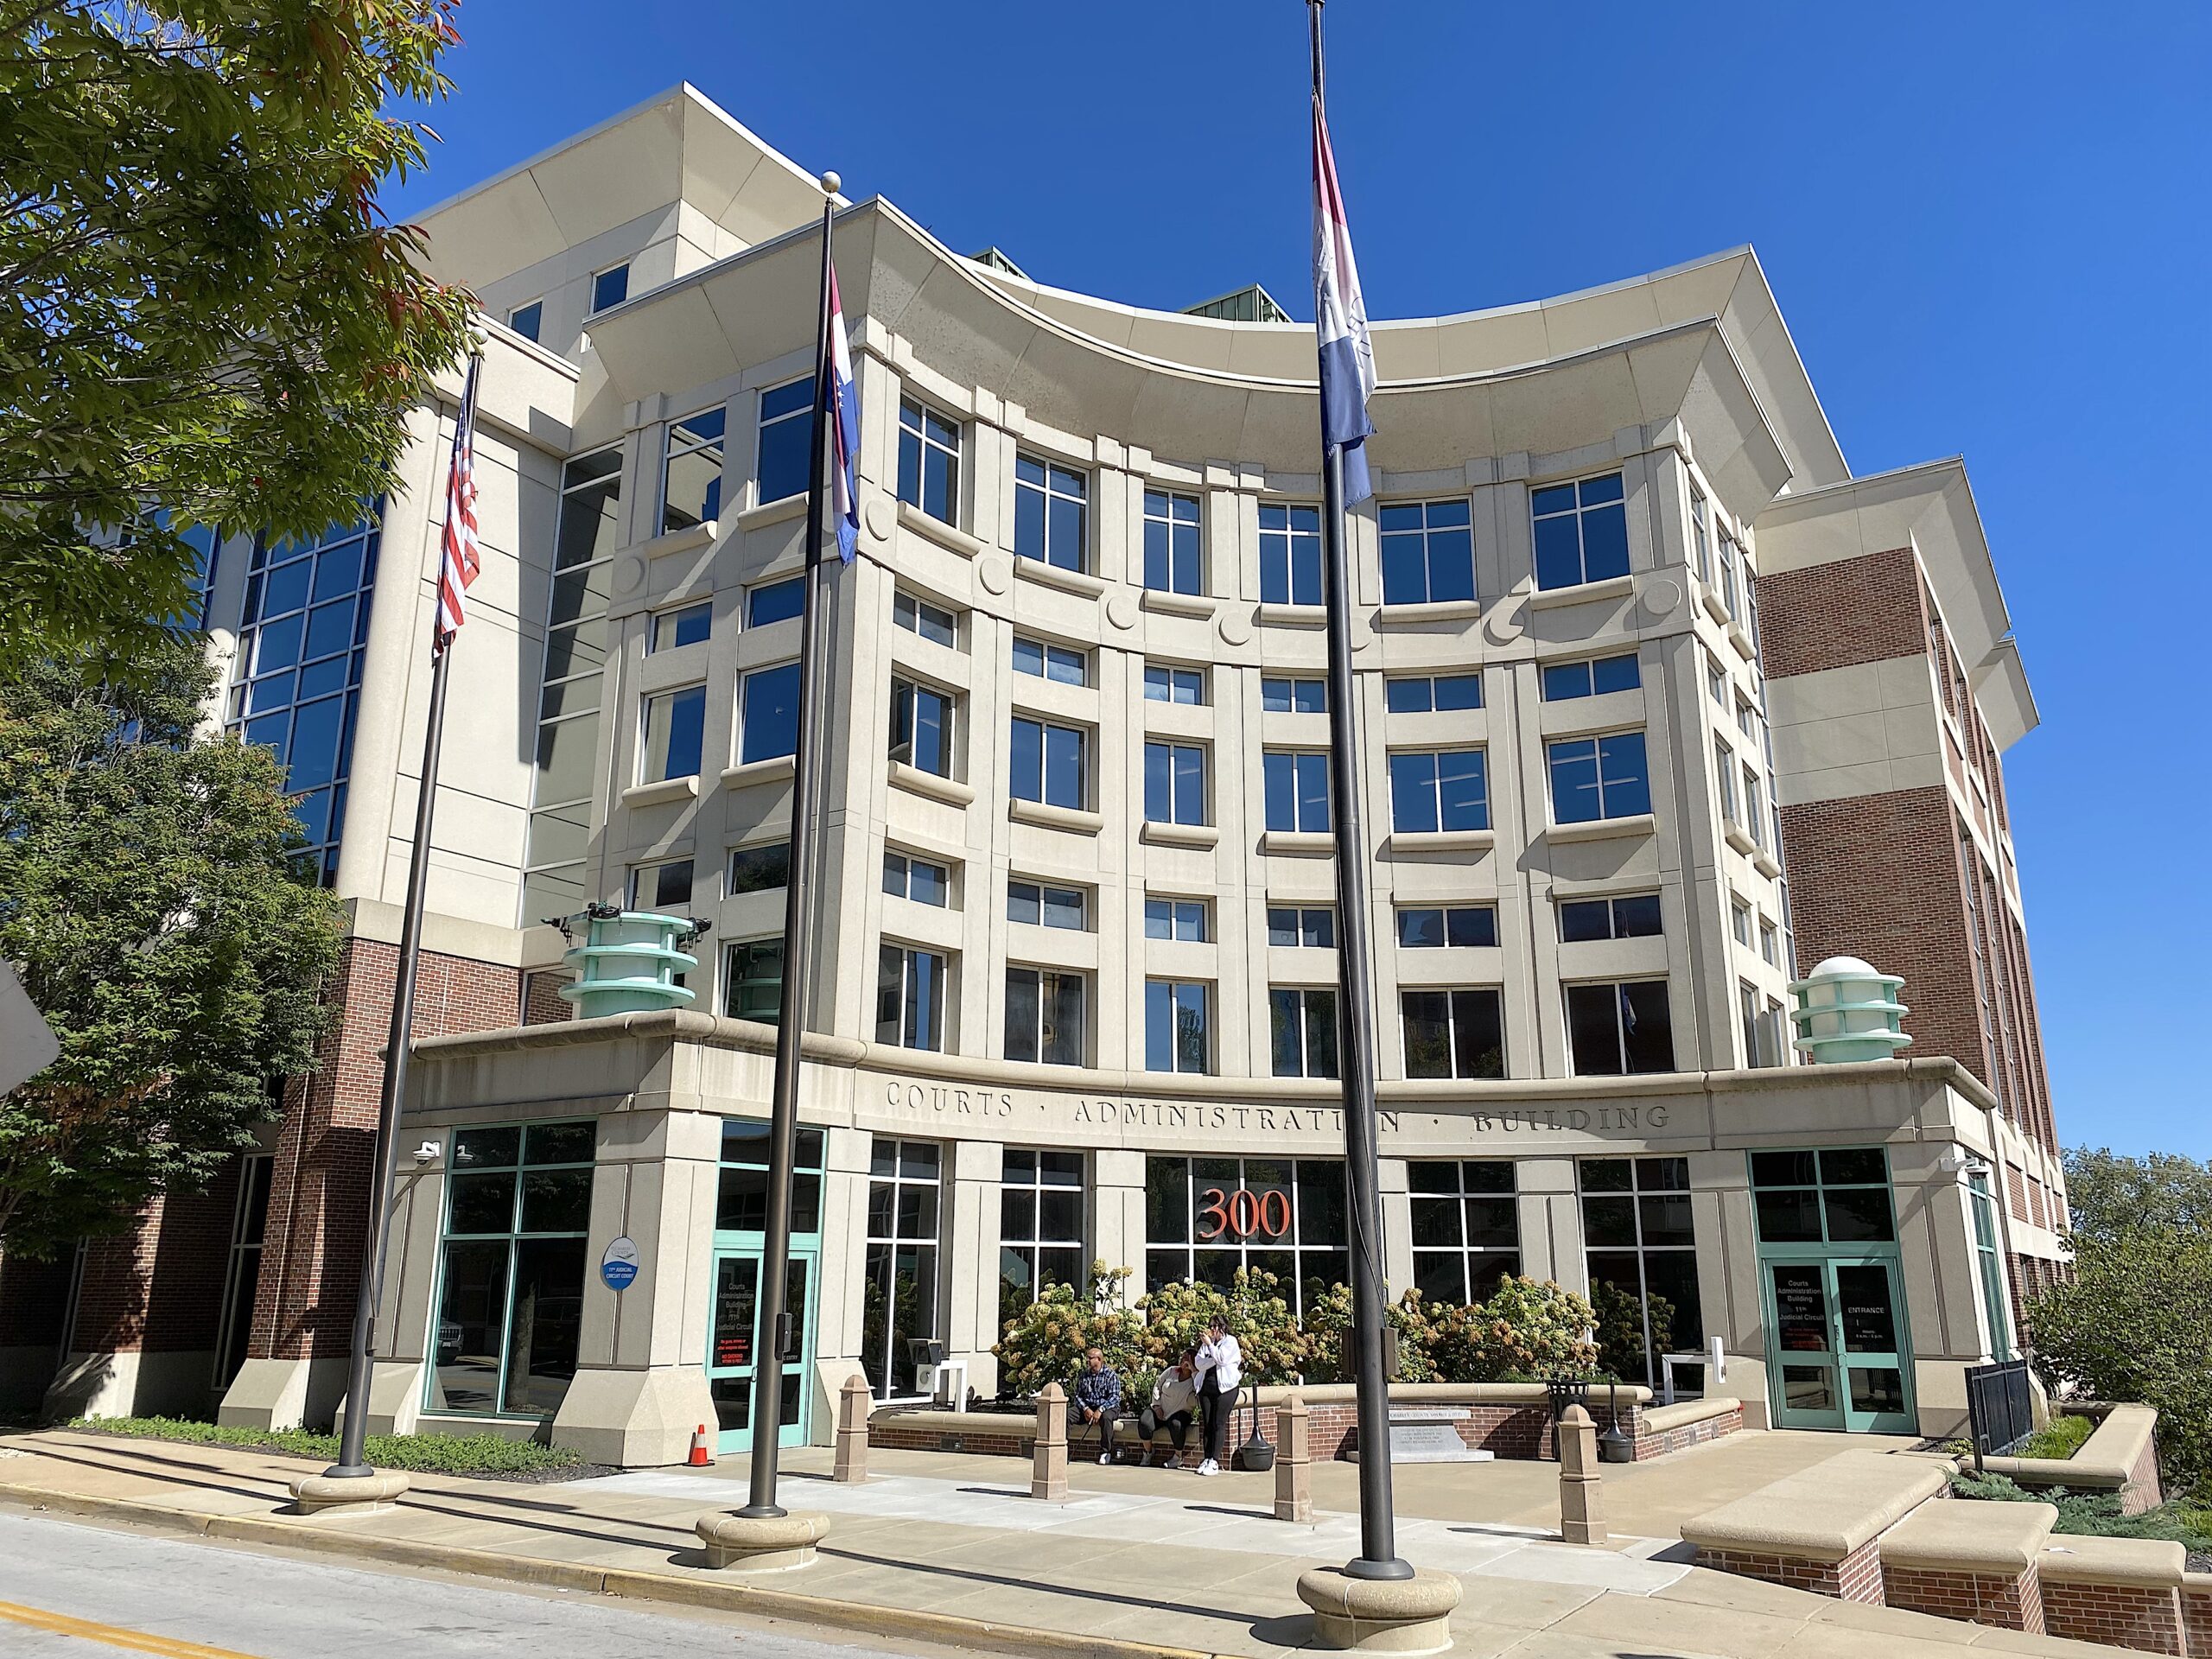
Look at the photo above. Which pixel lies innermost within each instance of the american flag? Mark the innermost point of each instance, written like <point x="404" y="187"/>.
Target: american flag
<point x="458" y="566"/>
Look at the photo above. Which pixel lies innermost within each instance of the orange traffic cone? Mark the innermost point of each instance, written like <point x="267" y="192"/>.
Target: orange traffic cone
<point x="700" y="1456"/>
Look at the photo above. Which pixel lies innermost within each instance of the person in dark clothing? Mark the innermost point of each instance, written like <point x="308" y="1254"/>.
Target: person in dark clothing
<point x="1096" y="1400"/>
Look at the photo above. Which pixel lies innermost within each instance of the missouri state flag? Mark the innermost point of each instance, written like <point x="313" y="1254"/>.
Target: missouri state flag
<point x="1340" y="320"/>
<point x="844" y="411"/>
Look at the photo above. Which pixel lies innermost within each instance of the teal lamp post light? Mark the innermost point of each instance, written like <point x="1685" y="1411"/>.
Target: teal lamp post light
<point x="629" y="961"/>
<point x="1847" y="1010"/>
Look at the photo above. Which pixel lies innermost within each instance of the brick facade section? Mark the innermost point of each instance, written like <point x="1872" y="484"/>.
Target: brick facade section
<point x="1832" y="615"/>
<point x="541" y="998"/>
<point x="2197" y="1614"/>
<point x="318" y="1189"/>
<point x="159" y="1289"/>
<point x="2141" y="1617"/>
<point x="1857" y="1576"/>
<point x="1901" y="848"/>
<point x="2008" y="1603"/>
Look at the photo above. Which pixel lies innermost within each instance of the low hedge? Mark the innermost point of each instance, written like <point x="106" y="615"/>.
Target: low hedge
<point x="2097" y="1515"/>
<point x="432" y="1454"/>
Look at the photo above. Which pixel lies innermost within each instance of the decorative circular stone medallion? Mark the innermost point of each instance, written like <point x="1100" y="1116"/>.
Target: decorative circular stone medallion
<point x="1503" y="626"/>
<point x="1661" y="597"/>
<point x="994" y="573"/>
<point x="882" y="517"/>
<point x="629" y="573"/>
<point x="1234" y="628"/>
<point x="1121" y="612"/>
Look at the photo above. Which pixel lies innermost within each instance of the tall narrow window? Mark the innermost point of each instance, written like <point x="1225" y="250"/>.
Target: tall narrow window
<point x="675" y="724"/>
<point x="1175" y="783"/>
<point x="1046" y="763"/>
<point x="1302" y="1030"/>
<point x="575" y="652"/>
<point x="1176" y="1034"/>
<point x="1641" y="1254"/>
<point x="1041" y="1226"/>
<point x="1171" y="553"/>
<point x="1700" y="536"/>
<point x="929" y="460"/>
<point x="1582" y="531"/>
<point x="1466" y="1229"/>
<point x="921" y="726"/>
<point x="1045" y="1016"/>
<point x="691" y="474"/>
<point x="753" y="979"/>
<point x="242" y="1279"/>
<point x="898" y="1289"/>
<point x="911" y="988"/>
<point x="1296" y="786"/>
<point x="1052" y="514"/>
<point x="512" y="1284"/>
<point x="1290" y="555"/>
<point x="1428" y="553"/>
<point x="768" y="713"/>
<point x="786" y="427"/>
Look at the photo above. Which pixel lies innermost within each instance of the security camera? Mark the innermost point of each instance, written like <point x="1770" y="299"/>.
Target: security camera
<point x="427" y="1153"/>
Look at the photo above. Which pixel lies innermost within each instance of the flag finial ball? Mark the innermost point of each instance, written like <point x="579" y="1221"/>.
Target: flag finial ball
<point x="831" y="184"/>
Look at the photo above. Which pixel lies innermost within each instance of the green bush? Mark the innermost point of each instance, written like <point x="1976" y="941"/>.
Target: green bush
<point x="1328" y="1323"/>
<point x="1619" y="1315"/>
<point x="1529" y="1330"/>
<point x="1176" y="1317"/>
<point x="2095" y="1515"/>
<point x="437" y="1454"/>
<point x="2060" y="1438"/>
<point x="2135" y="1322"/>
<point x="1045" y="1343"/>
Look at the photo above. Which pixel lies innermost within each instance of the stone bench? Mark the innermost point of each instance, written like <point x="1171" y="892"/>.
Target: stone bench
<point x="2119" y="1456"/>
<point x="2126" y="1593"/>
<point x="1969" y="1560"/>
<point x="1818" y="1530"/>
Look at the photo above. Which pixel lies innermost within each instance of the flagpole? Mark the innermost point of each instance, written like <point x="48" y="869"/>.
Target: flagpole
<point x="773" y="1332"/>
<point x="1378" y="1552"/>
<point x="352" y="1461"/>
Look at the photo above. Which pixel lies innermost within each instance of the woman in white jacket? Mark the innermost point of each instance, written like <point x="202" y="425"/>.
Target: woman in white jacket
<point x="1221" y="1369"/>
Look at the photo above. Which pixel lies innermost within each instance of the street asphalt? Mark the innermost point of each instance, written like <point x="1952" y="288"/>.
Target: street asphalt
<point x="68" y="1589"/>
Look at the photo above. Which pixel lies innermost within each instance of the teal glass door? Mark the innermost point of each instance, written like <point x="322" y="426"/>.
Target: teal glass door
<point x="1838" y="1352"/>
<point x="733" y="1338"/>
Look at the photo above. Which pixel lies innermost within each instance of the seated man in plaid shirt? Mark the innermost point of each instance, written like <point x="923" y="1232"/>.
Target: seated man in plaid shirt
<point x="1095" y="1397"/>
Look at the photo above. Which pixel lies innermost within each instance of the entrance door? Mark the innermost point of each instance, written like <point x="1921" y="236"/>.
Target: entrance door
<point x="733" y="1337"/>
<point x="1838" y="1362"/>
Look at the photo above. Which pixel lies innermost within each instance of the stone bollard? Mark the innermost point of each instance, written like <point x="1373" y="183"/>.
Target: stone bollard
<point x="1581" y="1504"/>
<point x="853" y="1402"/>
<point x="1294" y="1463"/>
<point x="1050" y="1478"/>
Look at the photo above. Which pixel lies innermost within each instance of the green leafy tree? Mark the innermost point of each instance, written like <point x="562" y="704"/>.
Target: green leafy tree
<point x="2134" y="1323"/>
<point x="149" y="900"/>
<point x="209" y="318"/>
<point x="2108" y="1194"/>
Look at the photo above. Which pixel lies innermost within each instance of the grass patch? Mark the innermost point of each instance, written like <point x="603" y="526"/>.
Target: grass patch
<point x="2096" y="1515"/>
<point x="432" y="1454"/>
<point x="2062" y="1437"/>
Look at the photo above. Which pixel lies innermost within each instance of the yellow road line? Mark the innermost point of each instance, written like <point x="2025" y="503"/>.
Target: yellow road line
<point x="115" y="1635"/>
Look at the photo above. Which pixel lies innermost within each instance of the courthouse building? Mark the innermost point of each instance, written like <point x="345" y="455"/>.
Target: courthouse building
<point x="1657" y="703"/>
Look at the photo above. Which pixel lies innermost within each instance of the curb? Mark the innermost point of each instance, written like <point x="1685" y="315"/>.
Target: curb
<point x="630" y="1584"/>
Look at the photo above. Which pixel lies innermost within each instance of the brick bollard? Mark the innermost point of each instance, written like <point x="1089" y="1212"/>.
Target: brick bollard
<point x="1050" y="1479"/>
<point x="1294" y="1463"/>
<point x="853" y="1402"/>
<point x="1582" y="1503"/>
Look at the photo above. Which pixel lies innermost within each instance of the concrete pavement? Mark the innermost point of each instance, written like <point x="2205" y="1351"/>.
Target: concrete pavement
<point x="1137" y="1565"/>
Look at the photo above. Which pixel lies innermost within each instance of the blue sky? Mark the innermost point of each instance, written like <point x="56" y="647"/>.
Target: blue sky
<point x="1986" y="224"/>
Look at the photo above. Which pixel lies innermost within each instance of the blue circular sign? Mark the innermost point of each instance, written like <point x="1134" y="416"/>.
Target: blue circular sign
<point x="617" y="1264"/>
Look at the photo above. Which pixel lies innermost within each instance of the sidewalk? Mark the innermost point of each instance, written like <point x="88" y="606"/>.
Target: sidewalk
<point x="1137" y="1564"/>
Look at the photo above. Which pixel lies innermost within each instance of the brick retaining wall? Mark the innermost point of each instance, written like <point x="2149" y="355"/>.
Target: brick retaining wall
<point x="2141" y="1617"/>
<point x="2009" y="1604"/>
<point x="1857" y="1576"/>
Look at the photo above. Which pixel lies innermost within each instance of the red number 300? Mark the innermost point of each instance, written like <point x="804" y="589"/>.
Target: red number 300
<point x="1244" y="1214"/>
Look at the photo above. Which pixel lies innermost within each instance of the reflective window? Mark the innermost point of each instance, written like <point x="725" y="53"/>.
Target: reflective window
<point x="1466" y="1229"/>
<point x="1290" y="556"/>
<point x="934" y="622"/>
<point x="1428" y="553"/>
<point x="1172" y="552"/>
<point x="1040" y="1227"/>
<point x="1206" y="1217"/>
<point x="1045" y="763"/>
<point x="687" y="626"/>
<point x="609" y="288"/>
<point x="1176" y="1037"/>
<point x="1634" y="916"/>
<point x="1296" y="789"/>
<point x="921" y="726"/>
<point x="1045" y="1016"/>
<point x="1641" y="1253"/>
<point x="1619" y="1029"/>
<point x="762" y="868"/>
<point x="663" y="887"/>
<point x="1165" y="684"/>
<point x="781" y="464"/>
<point x="898" y="1288"/>
<point x="1595" y="778"/>
<point x="1052" y="514"/>
<point x="771" y="602"/>
<point x="1175" y="783"/>
<point x="691" y="475"/>
<point x="1582" y="531"/>
<point x="1593" y="678"/>
<point x="1308" y="926"/>
<point x="1302" y="1030"/>
<point x="511" y="1271"/>
<point x="1424" y="693"/>
<point x="1177" y="918"/>
<point x="298" y="686"/>
<point x="1423" y="927"/>
<point x="1432" y="791"/>
<point x="922" y="880"/>
<point x="911" y="988"/>
<point x="1041" y="904"/>
<point x="674" y="727"/>
<point x="1454" y="1033"/>
<point x="929" y="460"/>
<point x="1282" y="697"/>
<point x="1047" y="662"/>
<point x="753" y="980"/>
<point x="526" y="320"/>
<point x="768" y="713"/>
